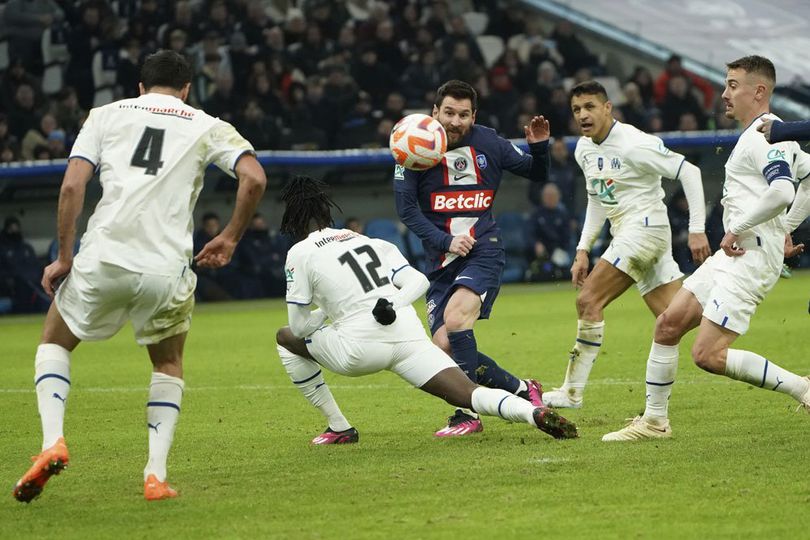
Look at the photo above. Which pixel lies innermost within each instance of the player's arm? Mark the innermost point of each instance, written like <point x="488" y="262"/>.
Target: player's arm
<point x="303" y="320"/>
<point x="800" y="209"/>
<point x="778" y="131"/>
<point x="595" y="216"/>
<point x="71" y="202"/>
<point x="233" y="152"/>
<point x="405" y="194"/>
<point x="411" y="284"/>
<point x="772" y="203"/>
<point x="535" y="165"/>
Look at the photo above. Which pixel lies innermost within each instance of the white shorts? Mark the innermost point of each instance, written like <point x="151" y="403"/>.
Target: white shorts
<point x="731" y="288"/>
<point x="415" y="361"/>
<point x="644" y="254"/>
<point x="97" y="299"/>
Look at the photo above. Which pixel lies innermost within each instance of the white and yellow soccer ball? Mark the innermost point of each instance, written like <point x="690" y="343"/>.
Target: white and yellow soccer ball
<point x="418" y="142"/>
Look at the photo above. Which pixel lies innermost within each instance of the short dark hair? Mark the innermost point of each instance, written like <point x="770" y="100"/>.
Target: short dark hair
<point x="457" y="90"/>
<point x="165" y="68"/>
<point x="755" y="64"/>
<point x="591" y="88"/>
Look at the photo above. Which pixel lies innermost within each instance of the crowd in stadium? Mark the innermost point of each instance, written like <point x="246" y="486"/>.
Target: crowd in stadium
<point x="320" y="74"/>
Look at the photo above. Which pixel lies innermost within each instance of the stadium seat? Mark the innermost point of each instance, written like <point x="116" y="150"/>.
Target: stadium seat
<point x="55" y="56"/>
<point x="476" y="22"/>
<point x="515" y="243"/>
<point x="491" y="47"/>
<point x="385" y="229"/>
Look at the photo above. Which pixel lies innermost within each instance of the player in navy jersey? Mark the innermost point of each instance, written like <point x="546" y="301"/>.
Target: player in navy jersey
<point x="449" y="207"/>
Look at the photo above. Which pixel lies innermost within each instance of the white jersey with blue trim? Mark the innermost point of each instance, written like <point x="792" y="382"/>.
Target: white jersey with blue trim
<point x="753" y="164"/>
<point x="624" y="171"/>
<point x="344" y="273"/>
<point x="151" y="153"/>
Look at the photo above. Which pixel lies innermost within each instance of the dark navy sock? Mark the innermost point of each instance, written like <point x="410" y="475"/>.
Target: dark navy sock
<point x="492" y="375"/>
<point x="465" y="352"/>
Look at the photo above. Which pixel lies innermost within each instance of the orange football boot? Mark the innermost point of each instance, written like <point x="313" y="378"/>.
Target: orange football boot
<point x="48" y="463"/>
<point x="154" y="490"/>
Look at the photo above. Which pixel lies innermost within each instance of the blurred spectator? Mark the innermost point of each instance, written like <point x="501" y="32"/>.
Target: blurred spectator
<point x="394" y="108"/>
<point x="219" y="19"/>
<point x="643" y="79"/>
<point x="373" y="76"/>
<point x="353" y="224"/>
<point x="212" y="283"/>
<point x="260" y="259"/>
<point x="14" y="77"/>
<point x="421" y="79"/>
<point x="84" y="41"/>
<point x="633" y="111"/>
<point x="24" y="21"/>
<point x="674" y="68"/>
<point x="459" y="33"/>
<point x="20" y="270"/>
<point x="460" y="65"/>
<point x="563" y="172"/>
<point x="39" y="136"/>
<point x="7" y="140"/>
<point x="256" y="23"/>
<point x="573" y="51"/>
<point x="547" y="79"/>
<point x="261" y="129"/>
<point x="23" y="116"/>
<point x="388" y="51"/>
<point x="223" y="102"/>
<point x="680" y="100"/>
<point x="309" y="53"/>
<point x="129" y="72"/>
<point x="550" y="224"/>
<point x="505" y="100"/>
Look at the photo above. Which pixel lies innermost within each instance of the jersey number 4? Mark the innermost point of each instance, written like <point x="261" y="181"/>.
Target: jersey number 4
<point x="371" y="268"/>
<point x="147" y="154"/>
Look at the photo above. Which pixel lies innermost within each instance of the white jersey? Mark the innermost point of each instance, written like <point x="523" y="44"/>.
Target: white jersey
<point x="624" y="171"/>
<point x="753" y="164"/>
<point x="344" y="274"/>
<point x="151" y="153"/>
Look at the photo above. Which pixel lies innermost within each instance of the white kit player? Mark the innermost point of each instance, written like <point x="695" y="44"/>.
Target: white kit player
<point x="366" y="287"/>
<point x="151" y="153"/>
<point x="721" y="296"/>
<point x="623" y="167"/>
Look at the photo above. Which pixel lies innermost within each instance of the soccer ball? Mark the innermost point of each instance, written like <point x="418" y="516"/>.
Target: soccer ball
<point x="418" y="142"/>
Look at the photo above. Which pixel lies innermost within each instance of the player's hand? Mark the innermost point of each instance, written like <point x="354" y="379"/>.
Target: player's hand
<point x="792" y="250"/>
<point x="462" y="244"/>
<point x="579" y="270"/>
<point x="699" y="246"/>
<point x="53" y="275"/>
<point x="765" y="129"/>
<point x="384" y="312"/>
<point x="729" y="246"/>
<point x="216" y="253"/>
<point x="538" y="130"/>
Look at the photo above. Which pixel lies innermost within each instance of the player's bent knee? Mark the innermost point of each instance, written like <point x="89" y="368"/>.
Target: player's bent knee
<point x="708" y="358"/>
<point x="284" y="337"/>
<point x="457" y="319"/>
<point x="588" y="307"/>
<point x="667" y="330"/>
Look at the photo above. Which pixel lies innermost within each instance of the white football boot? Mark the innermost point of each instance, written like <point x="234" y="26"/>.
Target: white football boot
<point x="563" y="398"/>
<point x="639" y="429"/>
<point x="803" y="404"/>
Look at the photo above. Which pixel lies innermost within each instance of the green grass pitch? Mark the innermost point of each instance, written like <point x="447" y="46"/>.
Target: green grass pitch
<point x="737" y="465"/>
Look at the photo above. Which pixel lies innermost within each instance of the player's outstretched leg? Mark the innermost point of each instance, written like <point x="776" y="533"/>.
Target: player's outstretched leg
<point x="306" y="375"/>
<point x="451" y="385"/>
<point x="52" y="381"/>
<point x="491" y="375"/>
<point x="758" y="371"/>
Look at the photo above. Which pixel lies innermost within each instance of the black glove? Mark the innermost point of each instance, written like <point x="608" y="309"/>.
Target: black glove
<point x="384" y="312"/>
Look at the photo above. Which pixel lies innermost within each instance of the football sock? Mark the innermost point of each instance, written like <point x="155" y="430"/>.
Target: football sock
<point x="465" y="352"/>
<point x="583" y="355"/>
<point x="307" y="377"/>
<point x="752" y="368"/>
<point x="661" y="367"/>
<point x="162" y="412"/>
<point x="491" y="375"/>
<point x="52" y="381"/>
<point x="497" y="402"/>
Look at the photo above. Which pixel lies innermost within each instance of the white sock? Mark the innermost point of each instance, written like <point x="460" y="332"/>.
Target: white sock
<point x="522" y="387"/>
<point x="52" y="381"/>
<point x="306" y="376"/>
<point x="162" y="411"/>
<point x="583" y="355"/>
<point x="752" y="368"/>
<point x="661" y="367"/>
<point x="497" y="402"/>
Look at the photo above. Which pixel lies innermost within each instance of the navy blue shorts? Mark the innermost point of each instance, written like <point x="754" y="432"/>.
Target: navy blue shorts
<point x="480" y="272"/>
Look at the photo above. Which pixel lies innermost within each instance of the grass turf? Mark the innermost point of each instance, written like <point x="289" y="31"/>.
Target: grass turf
<point x="244" y="468"/>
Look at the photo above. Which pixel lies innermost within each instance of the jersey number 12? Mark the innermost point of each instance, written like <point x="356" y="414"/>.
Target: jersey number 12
<point x="147" y="153"/>
<point x="371" y="268"/>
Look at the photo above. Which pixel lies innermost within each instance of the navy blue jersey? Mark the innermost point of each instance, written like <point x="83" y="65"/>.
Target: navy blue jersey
<point x="456" y="196"/>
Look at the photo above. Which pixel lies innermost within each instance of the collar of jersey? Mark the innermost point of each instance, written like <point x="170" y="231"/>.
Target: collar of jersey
<point x="613" y="125"/>
<point x="158" y="96"/>
<point x="755" y="119"/>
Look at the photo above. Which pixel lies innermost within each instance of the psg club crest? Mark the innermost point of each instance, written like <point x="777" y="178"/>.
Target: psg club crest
<point x="481" y="160"/>
<point x="460" y="164"/>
